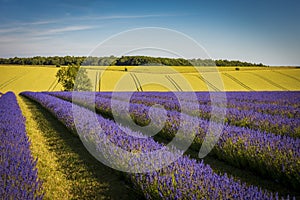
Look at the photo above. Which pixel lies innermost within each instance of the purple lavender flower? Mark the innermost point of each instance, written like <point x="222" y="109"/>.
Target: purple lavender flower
<point x="18" y="173"/>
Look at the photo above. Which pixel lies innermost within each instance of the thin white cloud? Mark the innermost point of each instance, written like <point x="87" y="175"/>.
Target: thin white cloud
<point x="19" y="26"/>
<point x="63" y="30"/>
<point x="123" y="17"/>
<point x="4" y="39"/>
<point x="39" y="22"/>
<point x="38" y="34"/>
<point x="14" y="26"/>
<point x="9" y="30"/>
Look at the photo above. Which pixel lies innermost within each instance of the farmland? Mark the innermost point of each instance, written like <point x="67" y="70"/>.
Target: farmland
<point x="42" y="78"/>
<point x="256" y="157"/>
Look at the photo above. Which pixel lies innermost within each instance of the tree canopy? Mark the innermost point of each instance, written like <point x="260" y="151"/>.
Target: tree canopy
<point x="74" y="78"/>
<point x="121" y="61"/>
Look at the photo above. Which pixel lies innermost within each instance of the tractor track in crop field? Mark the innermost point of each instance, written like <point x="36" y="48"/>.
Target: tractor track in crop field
<point x="53" y="85"/>
<point x="6" y="83"/>
<point x="238" y="82"/>
<point x="269" y="81"/>
<point x="98" y="81"/>
<point x="208" y="84"/>
<point x="136" y="82"/>
<point x="286" y="75"/>
<point x="173" y="82"/>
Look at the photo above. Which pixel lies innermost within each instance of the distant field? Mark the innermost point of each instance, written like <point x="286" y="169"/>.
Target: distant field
<point x="23" y="78"/>
<point x="42" y="78"/>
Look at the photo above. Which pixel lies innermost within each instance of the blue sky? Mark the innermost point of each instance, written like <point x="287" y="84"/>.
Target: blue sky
<point x="266" y="31"/>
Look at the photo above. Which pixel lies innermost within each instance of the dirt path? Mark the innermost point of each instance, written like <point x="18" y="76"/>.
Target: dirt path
<point x="65" y="166"/>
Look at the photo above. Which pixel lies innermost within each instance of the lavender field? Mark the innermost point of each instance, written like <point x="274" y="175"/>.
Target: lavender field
<point x="257" y="155"/>
<point x="149" y="100"/>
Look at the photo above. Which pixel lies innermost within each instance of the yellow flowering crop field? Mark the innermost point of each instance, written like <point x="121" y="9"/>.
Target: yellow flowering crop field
<point x="156" y="78"/>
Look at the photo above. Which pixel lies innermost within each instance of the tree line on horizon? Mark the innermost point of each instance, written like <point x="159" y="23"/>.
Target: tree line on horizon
<point x="121" y="61"/>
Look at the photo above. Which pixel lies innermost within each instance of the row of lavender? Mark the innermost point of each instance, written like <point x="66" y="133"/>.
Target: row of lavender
<point x="18" y="173"/>
<point x="270" y="155"/>
<point x="184" y="179"/>
<point x="282" y="98"/>
<point x="286" y="105"/>
<point x="276" y="119"/>
<point x="281" y="103"/>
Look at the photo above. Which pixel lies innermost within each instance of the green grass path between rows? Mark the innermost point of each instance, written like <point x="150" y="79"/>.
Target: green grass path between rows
<point x="67" y="169"/>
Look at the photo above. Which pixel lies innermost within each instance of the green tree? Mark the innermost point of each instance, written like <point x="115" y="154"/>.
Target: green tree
<point x="74" y="78"/>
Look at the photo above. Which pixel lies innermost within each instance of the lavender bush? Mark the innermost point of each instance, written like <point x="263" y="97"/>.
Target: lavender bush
<point x="18" y="173"/>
